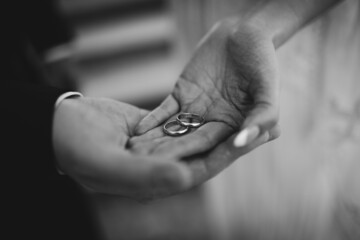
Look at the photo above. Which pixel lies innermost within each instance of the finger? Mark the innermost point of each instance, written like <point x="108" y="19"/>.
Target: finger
<point x="248" y="135"/>
<point x="265" y="92"/>
<point x="264" y="114"/>
<point x="150" y="135"/>
<point x="132" y="123"/>
<point x="166" y="109"/>
<point x="198" y="141"/>
<point x="143" y="113"/>
<point x="133" y="176"/>
<point x="146" y="142"/>
<point x="146" y="147"/>
<point x="262" y="118"/>
<point x="208" y="165"/>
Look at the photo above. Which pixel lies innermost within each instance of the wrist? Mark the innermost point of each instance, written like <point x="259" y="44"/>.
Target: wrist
<point x="276" y="20"/>
<point x="281" y="19"/>
<point x="270" y="21"/>
<point x="258" y="25"/>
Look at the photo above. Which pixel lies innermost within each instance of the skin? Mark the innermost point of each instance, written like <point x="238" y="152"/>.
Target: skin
<point x="231" y="81"/>
<point x="128" y="155"/>
<point x="91" y="138"/>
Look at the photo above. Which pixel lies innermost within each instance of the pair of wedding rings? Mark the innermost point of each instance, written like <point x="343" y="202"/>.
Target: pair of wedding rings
<point x="182" y="124"/>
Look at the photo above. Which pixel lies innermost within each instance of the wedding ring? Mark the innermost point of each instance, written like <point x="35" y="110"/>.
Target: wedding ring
<point x="190" y="120"/>
<point x="180" y="129"/>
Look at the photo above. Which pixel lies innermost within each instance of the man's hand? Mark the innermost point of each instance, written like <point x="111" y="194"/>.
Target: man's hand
<point x="90" y="137"/>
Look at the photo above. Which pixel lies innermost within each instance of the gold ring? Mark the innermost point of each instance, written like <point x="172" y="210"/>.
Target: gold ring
<point x="190" y="119"/>
<point x="179" y="131"/>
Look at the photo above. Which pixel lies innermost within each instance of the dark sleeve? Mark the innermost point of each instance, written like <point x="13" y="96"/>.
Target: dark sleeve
<point x="46" y="25"/>
<point x="26" y="102"/>
<point x="43" y="204"/>
<point x="38" y="201"/>
<point x="27" y="116"/>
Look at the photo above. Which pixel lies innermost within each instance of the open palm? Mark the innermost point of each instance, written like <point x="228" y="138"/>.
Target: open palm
<point x="231" y="81"/>
<point x="90" y="140"/>
<point x="92" y="144"/>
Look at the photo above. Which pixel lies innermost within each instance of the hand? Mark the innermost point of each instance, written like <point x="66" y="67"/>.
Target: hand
<point x="90" y="137"/>
<point x="231" y="80"/>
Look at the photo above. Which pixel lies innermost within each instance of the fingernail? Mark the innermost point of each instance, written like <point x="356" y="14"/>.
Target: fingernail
<point x="246" y="136"/>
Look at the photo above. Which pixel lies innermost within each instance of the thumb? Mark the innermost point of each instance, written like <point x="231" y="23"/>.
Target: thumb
<point x="261" y="118"/>
<point x="265" y="91"/>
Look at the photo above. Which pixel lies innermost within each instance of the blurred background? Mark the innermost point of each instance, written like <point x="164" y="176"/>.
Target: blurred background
<point x="304" y="185"/>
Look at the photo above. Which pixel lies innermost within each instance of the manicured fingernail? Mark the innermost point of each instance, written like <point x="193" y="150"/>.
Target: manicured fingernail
<point x="246" y="136"/>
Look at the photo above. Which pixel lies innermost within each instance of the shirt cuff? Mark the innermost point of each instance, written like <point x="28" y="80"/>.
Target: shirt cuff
<point x="57" y="104"/>
<point x="65" y="96"/>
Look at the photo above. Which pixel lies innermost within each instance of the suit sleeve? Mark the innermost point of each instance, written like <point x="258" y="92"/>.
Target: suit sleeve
<point x="26" y="102"/>
<point x="26" y="118"/>
<point x="46" y="25"/>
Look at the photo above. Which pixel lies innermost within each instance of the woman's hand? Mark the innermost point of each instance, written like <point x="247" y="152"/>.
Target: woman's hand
<point x="232" y="81"/>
